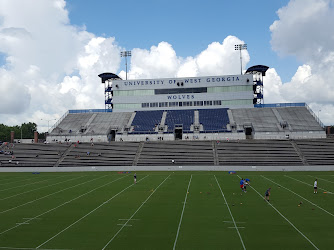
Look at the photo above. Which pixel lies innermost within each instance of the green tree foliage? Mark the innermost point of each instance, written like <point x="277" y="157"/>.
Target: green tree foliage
<point x="27" y="129"/>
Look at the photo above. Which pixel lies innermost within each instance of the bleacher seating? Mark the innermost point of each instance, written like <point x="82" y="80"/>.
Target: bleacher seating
<point x="223" y="153"/>
<point x="179" y="117"/>
<point x="258" y="152"/>
<point x="33" y="154"/>
<point x="113" y="154"/>
<point x="146" y="120"/>
<point x="92" y="123"/>
<point x="182" y="152"/>
<point x="299" y="118"/>
<point x="262" y="119"/>
<point x="214" y="119"/>
<point x="317" y="151"/>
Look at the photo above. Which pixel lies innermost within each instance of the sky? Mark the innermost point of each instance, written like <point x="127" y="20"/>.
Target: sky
<point x="51" y="51"/>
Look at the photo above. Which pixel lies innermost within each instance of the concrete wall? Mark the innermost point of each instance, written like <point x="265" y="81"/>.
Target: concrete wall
<point x="290" y="135"/>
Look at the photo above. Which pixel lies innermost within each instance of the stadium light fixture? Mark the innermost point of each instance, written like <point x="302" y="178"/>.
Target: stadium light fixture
<point x="126" y="54"/>
<point x="240" y="47"/>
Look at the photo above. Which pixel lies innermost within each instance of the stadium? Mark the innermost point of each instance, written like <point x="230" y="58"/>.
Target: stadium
<point x="160" y="167"/>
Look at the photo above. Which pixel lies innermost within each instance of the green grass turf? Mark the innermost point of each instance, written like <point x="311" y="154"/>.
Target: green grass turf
<point x="91" y="210"/>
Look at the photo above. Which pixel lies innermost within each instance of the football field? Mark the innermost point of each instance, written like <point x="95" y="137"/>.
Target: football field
<point x="166" y="210"/>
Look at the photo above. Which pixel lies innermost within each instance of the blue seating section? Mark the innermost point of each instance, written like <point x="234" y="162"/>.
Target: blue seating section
<point x="145" y="121"/>
<point x="175" y="117"/>
<point x="214" y="119"/>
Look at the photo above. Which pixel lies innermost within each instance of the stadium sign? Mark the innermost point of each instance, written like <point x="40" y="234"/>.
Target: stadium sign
<point x="181" y="81"/>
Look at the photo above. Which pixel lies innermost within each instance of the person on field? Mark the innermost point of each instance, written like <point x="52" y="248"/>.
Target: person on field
<point x="242" y="184"/>
<point x="315" y="185"/>
<point x="246" y="183"/>
<point x="135" y="178"/>
<point x="267" y="195"/>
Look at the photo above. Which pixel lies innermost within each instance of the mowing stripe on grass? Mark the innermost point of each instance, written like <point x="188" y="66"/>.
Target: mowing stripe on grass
<point x="28" y="184"/>
<point x="125" y="224"/>
<point x="36" y="217"/>
<point x="14" y="181"/>
<point x="307" y="184"/>
<point x="49" y="195"/>
<point x="285" y="218"/>
<point x="228" y="207"/>
<point x="321" y="178"/>
<point x="184" y="205"/>
<point x="39" y="188"/>
<point x="299" y="196"/>
<point x="88" y="213"/>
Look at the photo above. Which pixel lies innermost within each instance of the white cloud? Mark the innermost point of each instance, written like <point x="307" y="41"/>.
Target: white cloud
<point x="161" y="61"/>
<point x="305" y="30"/>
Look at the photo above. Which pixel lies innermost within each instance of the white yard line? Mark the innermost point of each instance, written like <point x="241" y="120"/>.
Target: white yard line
<point x="321" y="179"/>
<point x="10" y="209"/>
<point x="284" y="218"/>
<point x="307" y="183"/>
<point x="36" y="217"/>
<point x="228" y="207"/>
<point x="299" y="196"/>
<point x="184" y="205"/>
<point x="39" y="188"/>
<point x="125" y="224"/>
<point x="2" y="190"/>
<point x="88" y="213"/>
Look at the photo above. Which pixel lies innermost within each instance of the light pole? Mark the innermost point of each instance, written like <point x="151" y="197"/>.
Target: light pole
<point x="126" y="54"/>
<point x="240" y="47"/>
<point x="48" y="122"/>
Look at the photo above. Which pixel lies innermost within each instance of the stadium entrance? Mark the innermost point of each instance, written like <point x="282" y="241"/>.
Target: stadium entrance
<point x="178" y="131"/>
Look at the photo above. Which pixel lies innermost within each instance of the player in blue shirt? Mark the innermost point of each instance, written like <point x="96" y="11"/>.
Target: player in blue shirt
<point x="242" y="184"/>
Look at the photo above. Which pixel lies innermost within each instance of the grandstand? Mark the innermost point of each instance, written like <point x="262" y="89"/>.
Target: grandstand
<point x="301" y="152"/>
<point x="295" y="121"/>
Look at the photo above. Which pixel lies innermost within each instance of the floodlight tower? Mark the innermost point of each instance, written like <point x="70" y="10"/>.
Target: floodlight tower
<point x="110" y="83"/>
<point x="240" y="47"/>
<point x="126" y="54"/>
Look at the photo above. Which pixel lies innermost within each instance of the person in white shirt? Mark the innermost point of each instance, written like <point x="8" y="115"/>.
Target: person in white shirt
<point x="315" y="185"/>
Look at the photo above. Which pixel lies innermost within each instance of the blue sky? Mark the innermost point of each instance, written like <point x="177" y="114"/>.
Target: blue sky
<point x="51" y="51"/>
<point x="189" y="26"/>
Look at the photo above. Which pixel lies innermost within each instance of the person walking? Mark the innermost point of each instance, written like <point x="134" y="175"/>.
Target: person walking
<point x="315" y="185"/>
<point x="267" y="194"/>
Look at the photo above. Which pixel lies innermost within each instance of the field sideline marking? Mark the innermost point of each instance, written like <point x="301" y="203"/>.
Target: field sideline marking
<point x="228" y="207"/>
<point x="321" y="179"/>
<point x="125" y="224"/>
<point x="307" y="184"/>
<point x="299" y="196"/>
<point x="36" y="217"/>
<point x="39" y="188"/>
<point x="285" y="218"/>
<point x="29" y="184"/>
<point x="184" y="205"/>
<point x="88" y="213"/>
<point x="49" y="195"/>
